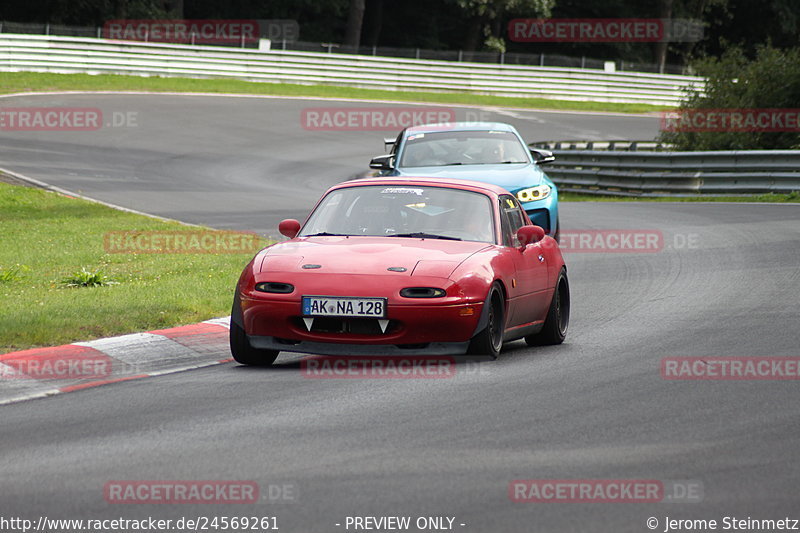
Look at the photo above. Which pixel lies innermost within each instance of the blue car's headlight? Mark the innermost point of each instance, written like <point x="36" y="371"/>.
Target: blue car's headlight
<point x="533" y="193"/>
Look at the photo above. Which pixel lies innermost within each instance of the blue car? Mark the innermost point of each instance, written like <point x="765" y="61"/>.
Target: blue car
<point x="491" y="152"/>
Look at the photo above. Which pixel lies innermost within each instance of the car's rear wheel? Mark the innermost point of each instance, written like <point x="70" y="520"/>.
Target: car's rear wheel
<point x="490" y="340"/>
<point x="244" y="353"/>
<point x="555" y="326"/>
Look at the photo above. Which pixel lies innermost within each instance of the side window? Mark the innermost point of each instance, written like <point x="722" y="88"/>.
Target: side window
<point x="511" y="219"/>
<point x="505" y="223"/>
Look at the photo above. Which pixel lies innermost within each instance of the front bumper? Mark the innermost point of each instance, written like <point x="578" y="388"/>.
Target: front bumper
<point x="544" y="212"/>
<point x="278" y="324"/>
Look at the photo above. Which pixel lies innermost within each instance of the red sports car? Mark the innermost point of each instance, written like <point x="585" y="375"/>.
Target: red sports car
<point x="403" y="266"/>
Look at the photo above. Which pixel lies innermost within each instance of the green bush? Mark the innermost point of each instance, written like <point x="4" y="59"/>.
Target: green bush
<point x="770" y="81"/>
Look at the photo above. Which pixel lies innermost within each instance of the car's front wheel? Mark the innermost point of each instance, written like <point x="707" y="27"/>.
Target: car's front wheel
<point x="490" y="340"/>
<point x="244" y="353"/>
<point x="555" y="326"/>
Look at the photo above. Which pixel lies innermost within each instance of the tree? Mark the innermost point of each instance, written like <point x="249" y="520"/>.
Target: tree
<point x="769" y="82"/>
<point x="355" y="17"/>
<point x="374" y="22"/>
<point x="174" y="7"/>
<point x="487" y="17"/>
<point x="664" y="12"/>
<point x="696" y="10"/>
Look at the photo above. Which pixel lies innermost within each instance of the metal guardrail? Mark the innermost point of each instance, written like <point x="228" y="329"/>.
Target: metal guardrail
<point x="640" y="173"/>
<point x="512" y="58"/>
<point x="37" y="53"/>
<point x="627" y="146"/>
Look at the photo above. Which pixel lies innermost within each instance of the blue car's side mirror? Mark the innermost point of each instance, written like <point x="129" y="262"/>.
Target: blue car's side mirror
<point x="542" y="157"/>
<point x="382" y="162"/>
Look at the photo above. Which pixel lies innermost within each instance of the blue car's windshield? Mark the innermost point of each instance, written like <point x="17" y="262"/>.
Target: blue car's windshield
<point x="412" y="211"/>
<point x="463" y="148"/>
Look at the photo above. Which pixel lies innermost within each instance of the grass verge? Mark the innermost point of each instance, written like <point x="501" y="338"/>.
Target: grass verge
<point x="15" y="82"/>
<point x="793" y="197"/>
<point x="49" y="241"/>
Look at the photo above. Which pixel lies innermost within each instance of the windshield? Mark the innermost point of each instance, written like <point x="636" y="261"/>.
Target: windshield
<point x="463" y="148"/>
<point x="404" y="211"/>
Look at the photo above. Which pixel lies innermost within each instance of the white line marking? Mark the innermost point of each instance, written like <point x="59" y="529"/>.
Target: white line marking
<point x="54" y="392"/>
<point x="223" y="321"/>
<point x="59" y="190"/>
<point x="340" y="99"/>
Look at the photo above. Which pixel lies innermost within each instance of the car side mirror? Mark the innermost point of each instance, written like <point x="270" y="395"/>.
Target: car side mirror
<point x="529" y="235"/>
<point x="542" y="157"/>
<point x="382" y="162"/>
<point x="289" y="228"/>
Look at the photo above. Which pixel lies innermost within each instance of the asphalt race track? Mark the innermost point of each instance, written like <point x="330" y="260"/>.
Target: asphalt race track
<point x="239" y="163"/>
<point x="724" y="281"/>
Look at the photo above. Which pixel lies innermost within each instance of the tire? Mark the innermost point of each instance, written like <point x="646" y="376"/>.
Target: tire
<point x="490" y="340"/>
<point x="244" y="353"/>
<point x="556" y="324"/>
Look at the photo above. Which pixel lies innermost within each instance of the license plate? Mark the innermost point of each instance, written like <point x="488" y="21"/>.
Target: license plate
<point x="344" y="306"/>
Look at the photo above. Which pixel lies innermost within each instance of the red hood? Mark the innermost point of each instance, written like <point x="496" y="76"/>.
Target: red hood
<point x="369" y="255"/>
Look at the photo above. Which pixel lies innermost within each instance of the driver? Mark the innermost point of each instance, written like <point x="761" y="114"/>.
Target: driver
<point x="480" y="229"/>
<point x="420" y="155"/>
<point x="493" y="153"/>
<point x="475" y="226"/>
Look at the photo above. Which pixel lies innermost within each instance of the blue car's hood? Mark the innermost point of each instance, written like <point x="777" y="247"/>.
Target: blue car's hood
<point x="510" y="177"/>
